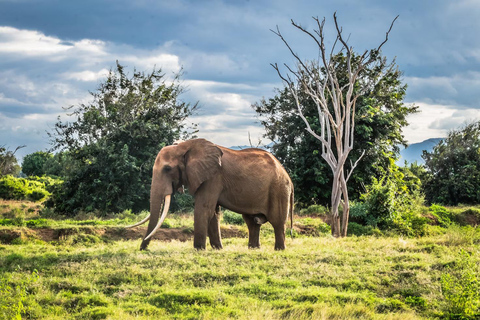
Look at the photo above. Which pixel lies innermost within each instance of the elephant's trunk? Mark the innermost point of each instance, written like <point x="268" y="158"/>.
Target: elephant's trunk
<point x="166" y="206"/>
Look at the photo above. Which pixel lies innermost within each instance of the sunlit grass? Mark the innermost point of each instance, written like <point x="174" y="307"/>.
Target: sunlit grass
<point x="314" y="278"/>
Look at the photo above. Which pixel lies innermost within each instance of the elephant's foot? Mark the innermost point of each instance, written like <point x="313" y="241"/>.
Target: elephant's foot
<point x="216" y="242"/>
<point x="144" y="245"/>
<point x="253" y="246"/>
<point x="279" y="246"/>
<point x="199" y="246"/>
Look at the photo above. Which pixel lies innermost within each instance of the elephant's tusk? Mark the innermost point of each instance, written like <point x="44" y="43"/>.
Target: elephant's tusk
<point x="166" y="206"/>
<point x="139" y="223"/>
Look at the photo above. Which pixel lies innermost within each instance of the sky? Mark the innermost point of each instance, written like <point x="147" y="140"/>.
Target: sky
<point x="54" y="52"/>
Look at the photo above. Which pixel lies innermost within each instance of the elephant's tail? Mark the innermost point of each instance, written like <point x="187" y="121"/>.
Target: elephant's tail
<point x="291" y="213"/>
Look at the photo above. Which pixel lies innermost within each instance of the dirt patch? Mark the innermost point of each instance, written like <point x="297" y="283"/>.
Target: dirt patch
<point x="469" y="217"/>
<point x="8" y="235"/>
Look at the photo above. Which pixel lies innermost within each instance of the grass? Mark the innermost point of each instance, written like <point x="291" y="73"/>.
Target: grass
<point x="86" y="276"/>
<point x="315" y="278"/>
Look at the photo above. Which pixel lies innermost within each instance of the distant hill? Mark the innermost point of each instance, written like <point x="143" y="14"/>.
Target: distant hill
<point x="414" y="151"/>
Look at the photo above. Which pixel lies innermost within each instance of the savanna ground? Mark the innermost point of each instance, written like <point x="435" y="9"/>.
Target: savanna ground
<point x="93" y="269"/>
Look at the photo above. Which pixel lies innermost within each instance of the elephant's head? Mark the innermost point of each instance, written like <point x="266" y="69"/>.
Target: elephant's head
<point x="188" y="163"/>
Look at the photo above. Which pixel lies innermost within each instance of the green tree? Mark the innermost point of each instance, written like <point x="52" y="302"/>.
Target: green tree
<point x="8" y="161"/>
<point x="33" y="164"/>
<point x="453" y="168"/>
<point x="59" y="165"/>
<point x="380" y="116"/>
<point x="112" y="142"/>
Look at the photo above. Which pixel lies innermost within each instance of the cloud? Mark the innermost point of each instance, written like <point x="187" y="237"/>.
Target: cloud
<point x="435" y="121"/>
<point x="87" y="75"/>
<point x="40" y="75"/>
<point x="460" y="89"/>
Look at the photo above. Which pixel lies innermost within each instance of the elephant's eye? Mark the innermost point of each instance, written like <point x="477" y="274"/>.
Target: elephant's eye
<point x="167" y="168"/>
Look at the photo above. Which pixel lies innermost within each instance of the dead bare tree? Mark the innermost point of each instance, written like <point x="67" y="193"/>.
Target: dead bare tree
<point x="335" y="104"/>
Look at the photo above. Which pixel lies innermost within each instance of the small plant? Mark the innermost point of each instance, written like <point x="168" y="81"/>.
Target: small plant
<point x="231" y="217"/>
<point x="314" y="210"/>
<point x="461" y="287"/>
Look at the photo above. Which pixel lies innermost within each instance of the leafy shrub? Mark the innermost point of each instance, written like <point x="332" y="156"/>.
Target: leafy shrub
<point x="13" y="188"/>
<point x="316" y="210"/>
<point x="49" y="183"/>
<point x="231" y="217"/>
<point x="37" y="223"/>
<point x="319" y="225"/>
<point x="359" y="230"/>
<point x="441" y="214"/>
<point x="182" y="202"/>
<point x="38" y="194"/>
<point x="392" y="203"/>
<point x="24" y="189"/>
<point x="460" y="288"/>
<point x="18" y="222"/>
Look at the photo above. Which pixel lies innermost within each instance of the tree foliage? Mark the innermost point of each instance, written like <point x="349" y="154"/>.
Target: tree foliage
<point x="8" y="161"/>
<point x="453" y="168"/>
<point x="33" y="163"/>
<point x="112" y="142"/>
<point x="380" y="116"/>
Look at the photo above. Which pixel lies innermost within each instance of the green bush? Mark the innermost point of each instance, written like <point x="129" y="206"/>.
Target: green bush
<point x="18" y="222"/>
<point x="37" y="223"/>
<point x="320" y="226"/>
<point x="460" y="288"/>
<point x="38" y="194"/>
<point x="231" y="217"/>
<point x="50" y="183"/>
<point x="441" y="214"/>
<point x="392" y="203"/>
<point x="182" y="202"/>
<point x="35" y="189"/>
<point x="359" y="230"/>
<point x="316" y="210"/>
<point x="12" y="188"/>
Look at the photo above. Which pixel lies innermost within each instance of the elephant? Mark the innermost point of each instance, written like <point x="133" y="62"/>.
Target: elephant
<point x="251" y="182"/>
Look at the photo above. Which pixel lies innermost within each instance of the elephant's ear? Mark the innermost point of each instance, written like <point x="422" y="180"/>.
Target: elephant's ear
<point x="202" y="161"/>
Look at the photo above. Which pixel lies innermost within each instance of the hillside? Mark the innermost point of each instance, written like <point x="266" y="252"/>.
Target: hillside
<point x="414" y="151"/>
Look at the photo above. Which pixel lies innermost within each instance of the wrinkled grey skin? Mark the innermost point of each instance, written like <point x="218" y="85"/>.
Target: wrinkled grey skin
<point x="251" y="182"/>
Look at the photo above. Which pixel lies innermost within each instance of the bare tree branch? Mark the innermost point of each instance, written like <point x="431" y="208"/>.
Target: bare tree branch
<point x="335" y="104"/>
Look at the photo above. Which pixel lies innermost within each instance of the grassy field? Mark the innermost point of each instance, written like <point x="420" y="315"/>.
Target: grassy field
<point x="84" y="276"/>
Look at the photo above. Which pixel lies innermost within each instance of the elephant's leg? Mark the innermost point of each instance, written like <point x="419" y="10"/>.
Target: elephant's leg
<point x="279" y="229"/>
<point x="253" y="231"/>
<point x="206" y="199"/>
<point x="214" y="230"/>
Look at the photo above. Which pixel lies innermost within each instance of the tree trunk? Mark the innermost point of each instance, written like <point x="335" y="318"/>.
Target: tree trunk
<point x="336" y="196"/>
<point x="346" y="207"/>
